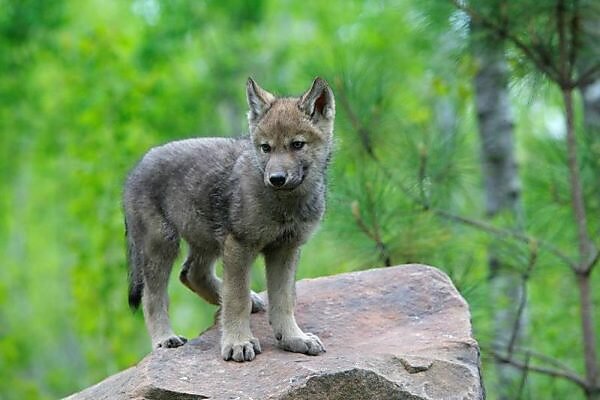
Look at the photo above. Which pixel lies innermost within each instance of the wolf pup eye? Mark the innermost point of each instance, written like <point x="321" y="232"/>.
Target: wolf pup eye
<point x="297" y="145"/>
<point x="265" y="148"/>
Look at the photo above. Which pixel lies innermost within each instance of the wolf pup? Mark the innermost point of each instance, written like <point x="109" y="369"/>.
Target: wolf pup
<point x="235" y="199"/>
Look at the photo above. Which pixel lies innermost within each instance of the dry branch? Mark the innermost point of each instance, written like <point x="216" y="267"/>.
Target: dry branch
<point x="554" y="372"/>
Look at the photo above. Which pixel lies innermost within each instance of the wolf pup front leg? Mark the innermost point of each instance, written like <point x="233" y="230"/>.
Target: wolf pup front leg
<point x="281" y="271"/>
<point x="237" y="341"/>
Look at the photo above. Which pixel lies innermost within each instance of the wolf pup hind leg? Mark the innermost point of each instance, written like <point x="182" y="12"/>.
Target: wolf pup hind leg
<point x="235" y="199"/>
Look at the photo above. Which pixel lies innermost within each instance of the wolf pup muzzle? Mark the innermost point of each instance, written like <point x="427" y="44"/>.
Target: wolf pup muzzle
<point x="280" y="180"/>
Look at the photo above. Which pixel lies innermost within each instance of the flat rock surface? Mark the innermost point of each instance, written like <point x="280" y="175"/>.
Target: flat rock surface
<point x="395" y="333"/>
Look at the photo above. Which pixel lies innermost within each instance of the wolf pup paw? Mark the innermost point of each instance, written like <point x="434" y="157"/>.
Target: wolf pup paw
<point x="307" y="344"/>
<point x="171" y="342"/>
<point x="240" y="351"/>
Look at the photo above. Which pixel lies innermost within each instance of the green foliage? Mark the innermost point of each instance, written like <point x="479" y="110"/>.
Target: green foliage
<point x="87" y="87"/>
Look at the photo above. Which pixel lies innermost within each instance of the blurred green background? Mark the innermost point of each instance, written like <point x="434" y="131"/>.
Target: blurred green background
<point x="87" y="87"/>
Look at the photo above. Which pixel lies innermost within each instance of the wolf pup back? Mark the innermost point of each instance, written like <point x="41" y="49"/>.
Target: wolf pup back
<point x="233" y="199"/>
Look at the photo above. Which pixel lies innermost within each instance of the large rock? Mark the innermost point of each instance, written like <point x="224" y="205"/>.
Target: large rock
<point x="393" y="333"/>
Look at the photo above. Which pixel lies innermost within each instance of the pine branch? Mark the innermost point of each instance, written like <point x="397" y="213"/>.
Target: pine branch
<point x="531" y="53"/>
<point x="504" y="233"/>
<point x="373" y="234"/>
<point x="522" y="237"/>
<point x="540" y="54"/>
<point x="363" y="133"/>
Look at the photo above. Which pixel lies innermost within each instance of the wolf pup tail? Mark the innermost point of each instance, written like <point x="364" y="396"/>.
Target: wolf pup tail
<point x="136" y="280"/>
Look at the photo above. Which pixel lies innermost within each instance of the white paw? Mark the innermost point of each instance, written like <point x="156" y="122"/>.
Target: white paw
<point x="240" y="350"/>
<point x="307" y="344"/>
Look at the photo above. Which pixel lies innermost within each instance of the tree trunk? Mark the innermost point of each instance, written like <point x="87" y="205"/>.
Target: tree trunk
<point x="590" y="95"/>
<point x="502" y="193"/>
<point x="585" y="247"/>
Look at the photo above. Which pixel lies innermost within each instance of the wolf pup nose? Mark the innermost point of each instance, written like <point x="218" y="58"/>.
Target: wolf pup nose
<point x="233" y="199"/>
<point x="277" y="180"/>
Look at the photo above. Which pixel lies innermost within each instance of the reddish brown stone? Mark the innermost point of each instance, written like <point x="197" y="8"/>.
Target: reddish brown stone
<point x="395" y="333"/>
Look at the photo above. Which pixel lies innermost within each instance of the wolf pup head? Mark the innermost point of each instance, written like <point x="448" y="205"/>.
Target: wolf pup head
<point x="292" y="136"/>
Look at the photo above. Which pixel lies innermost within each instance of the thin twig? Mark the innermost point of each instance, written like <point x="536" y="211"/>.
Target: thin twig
<point x="542" y="357"/>
<point x="563" y="67"/>
<point x="385" y="255"/>
<point x="530" y="353"/>
<point x="533" y="252"/>
<point x="594" y="258"/>
<point x="574" y="28"/>
<point x="557" y="373"/>
<point x="523" y="378"/>
<point x="588" y="76"/>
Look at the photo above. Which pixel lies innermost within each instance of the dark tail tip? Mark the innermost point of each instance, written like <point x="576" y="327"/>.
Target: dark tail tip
<point x="135" y="295"/>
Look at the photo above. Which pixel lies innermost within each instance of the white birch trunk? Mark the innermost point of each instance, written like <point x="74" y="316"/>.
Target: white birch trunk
<point x="502" y="192"/>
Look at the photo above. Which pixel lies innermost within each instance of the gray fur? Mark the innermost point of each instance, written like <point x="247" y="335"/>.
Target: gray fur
<point x="235" y="199"/>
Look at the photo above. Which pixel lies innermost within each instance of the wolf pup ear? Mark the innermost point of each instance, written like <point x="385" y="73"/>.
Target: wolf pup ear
<point x="318" y="101"/>
<point x="259" y="101"/>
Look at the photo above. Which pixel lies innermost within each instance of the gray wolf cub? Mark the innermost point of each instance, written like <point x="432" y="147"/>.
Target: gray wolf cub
<point x="235" y="199"/>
